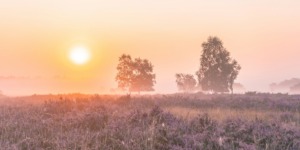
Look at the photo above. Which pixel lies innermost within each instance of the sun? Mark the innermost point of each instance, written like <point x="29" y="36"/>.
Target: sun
<point x="79" y="55"/>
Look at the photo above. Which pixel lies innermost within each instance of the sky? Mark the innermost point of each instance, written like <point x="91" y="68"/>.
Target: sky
<point x="36" y="37"/>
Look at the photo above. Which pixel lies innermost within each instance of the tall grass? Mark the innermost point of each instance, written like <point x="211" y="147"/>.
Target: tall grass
<point x="178" y="121"/>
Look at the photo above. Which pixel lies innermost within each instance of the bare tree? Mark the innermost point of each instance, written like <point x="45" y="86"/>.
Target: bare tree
<point x="186" y="82"/>
<point x="217" y="70"/>
<point x="135" y="75"/>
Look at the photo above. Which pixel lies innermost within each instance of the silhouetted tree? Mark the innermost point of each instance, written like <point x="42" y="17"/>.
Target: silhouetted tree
<point x="186" y="82"/>
<point x="135" y="75"/>
<point x="217" y="70"/>
<point x="125" y="72"/>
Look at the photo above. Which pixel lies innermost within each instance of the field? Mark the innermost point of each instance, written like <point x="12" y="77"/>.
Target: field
<point x="175" y="121"/>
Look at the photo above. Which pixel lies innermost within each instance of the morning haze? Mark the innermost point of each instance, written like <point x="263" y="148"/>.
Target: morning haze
<point x="150" y="74"/>
<point x="37" y="36"/>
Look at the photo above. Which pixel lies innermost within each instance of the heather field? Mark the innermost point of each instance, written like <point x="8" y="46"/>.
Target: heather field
<point x="175" y="121"/>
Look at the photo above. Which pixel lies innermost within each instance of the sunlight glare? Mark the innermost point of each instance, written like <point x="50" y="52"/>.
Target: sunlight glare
<point x="79" y="55"/>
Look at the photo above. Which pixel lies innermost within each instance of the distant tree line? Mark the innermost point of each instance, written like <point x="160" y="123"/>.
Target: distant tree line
<point x="216" y="74"/>
<point x="289" y="85"/>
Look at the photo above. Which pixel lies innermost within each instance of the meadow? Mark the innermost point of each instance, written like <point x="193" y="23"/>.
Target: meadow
<point x="248" y="121"/>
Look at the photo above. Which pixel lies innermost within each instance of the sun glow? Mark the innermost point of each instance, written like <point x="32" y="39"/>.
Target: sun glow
<point x="79" y="55"/>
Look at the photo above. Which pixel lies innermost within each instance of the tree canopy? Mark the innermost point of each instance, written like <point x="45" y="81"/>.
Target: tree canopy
<point x="186" y="82"/>
<point x="135" y="75"/>
<point x="217" y="70"/>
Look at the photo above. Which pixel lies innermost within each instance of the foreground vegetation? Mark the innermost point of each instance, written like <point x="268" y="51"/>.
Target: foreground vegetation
<point x="178" y="121"/>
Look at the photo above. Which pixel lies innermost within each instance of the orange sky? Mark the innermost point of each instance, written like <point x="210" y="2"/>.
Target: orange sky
<point x="35" y="37"/>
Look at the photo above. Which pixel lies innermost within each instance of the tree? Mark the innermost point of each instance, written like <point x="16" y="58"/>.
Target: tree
<point x="186" y="82"/>
<point x="125" y="73"/>
<point x="295" y="89"/>
<point x="239" y="87"/>
<point x="135" y="75"/>
<point x="217" y="70"/>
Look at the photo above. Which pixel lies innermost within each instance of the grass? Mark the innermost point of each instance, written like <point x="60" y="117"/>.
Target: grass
<point x="176" y="121"/>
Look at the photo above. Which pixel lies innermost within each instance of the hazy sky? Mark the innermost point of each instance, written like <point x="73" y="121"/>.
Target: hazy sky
<point x="36" y="36"/>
